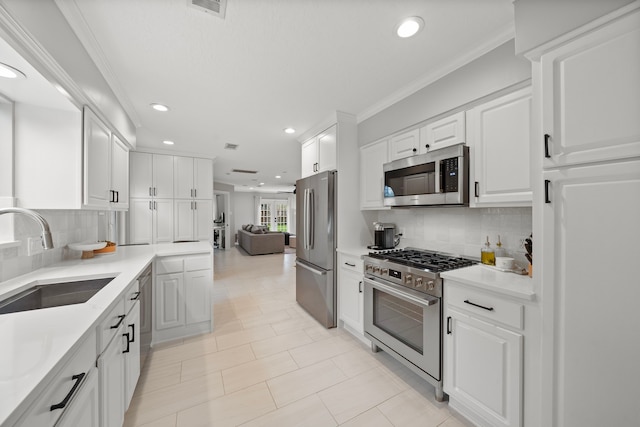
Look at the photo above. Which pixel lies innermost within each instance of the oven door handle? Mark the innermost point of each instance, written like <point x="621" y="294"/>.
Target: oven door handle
<point x="423" y="300"/>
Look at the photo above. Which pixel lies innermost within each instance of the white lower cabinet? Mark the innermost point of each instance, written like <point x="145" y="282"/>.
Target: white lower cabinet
<point x="350" y="297"/>
<point x="483" y="357"/>
<point x="119" y="362"/>
<point x="67" y="392"/>
<point x="182" y="297"/>
<point x="132" y="353"/>
<point x="85" y="410"/>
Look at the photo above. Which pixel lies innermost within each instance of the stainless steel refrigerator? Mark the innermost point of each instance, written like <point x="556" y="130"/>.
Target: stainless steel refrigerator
<point x="316" y="247"/>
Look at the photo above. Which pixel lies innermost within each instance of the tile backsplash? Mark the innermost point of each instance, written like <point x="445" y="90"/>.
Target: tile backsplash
<point x="462" y="230"/>
<point x="66" y="227"/>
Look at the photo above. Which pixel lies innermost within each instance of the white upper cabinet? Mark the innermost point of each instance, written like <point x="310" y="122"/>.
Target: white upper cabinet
<point x="372" y="158"/>
<point x="443" y="133"/>
<point x="582" y="81"/>
<point x="404" y="145"/>
<point x="106" y="165"/>
<point x="97" y="152"/>
<point x="499" y="138"/>
<point x="151" y="175"/>
<point x="119" y="172"/>
<point x="319" y="153"/>
<point x="193" y="178"/>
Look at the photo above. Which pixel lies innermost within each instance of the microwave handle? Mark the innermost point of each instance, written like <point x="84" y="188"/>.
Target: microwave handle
<point x="441" y="176"/>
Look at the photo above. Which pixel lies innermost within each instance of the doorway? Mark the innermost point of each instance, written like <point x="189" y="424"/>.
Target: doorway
<point x="274" y="214"/>
<point x="222" y="237"/>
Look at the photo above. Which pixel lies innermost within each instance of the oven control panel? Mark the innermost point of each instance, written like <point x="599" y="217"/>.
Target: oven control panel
<point x="402" y="276"/>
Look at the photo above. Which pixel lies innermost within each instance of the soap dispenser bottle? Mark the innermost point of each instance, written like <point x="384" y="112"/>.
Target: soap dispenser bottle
<point x="500" y="251"/>
<point x="487" y="255"/>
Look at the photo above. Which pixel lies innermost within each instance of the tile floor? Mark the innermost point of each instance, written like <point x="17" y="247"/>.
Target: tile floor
<point x="269" y="364"/>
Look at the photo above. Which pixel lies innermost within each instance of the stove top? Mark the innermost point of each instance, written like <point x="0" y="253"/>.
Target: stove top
<point x="422" y="259"/>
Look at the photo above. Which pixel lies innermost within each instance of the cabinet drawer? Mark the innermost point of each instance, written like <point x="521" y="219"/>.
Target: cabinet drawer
<point x="61" y="386"/>
<point x="131" y="295"/>
<point x="200" y="262"/>
<point x="169" y="265"/>
<point x="351" y="263"/>
<point x="109" y="325"/>
<point x="485" y="305"/>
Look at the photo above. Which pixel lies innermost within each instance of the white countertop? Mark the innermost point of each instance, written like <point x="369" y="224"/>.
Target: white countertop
<point x="484" y="277"/>
<point x="36" y="343"/>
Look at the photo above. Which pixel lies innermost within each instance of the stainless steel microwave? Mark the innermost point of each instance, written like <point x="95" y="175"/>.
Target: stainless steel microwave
<point x="439" y="177"/>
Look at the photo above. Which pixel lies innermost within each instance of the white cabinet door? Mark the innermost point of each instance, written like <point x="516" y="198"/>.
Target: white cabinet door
<point x="404" y="145"/>
<point x="111" y="371"/>
<point x="197" y="291"/>
<point x="163" y="221"/>
<point x="203" y="220"/>
<point x="327" y="150"/>
<point x="203" y="179"/>
<point x="183" y="219"/>
<point x="84" y="409"/>
<point x="350" y="287"/>
<point x="162" y="176"/>
<point x="119" y="173"/>
<point x="132" y="353"/>
<point x="591" y="96"/>
<point x="309" y="152"/>
<point x="183" y="177"/>
<point x="483" y="368"/>
<point x="97" y="153"/>
<point x="141" y="174"/>
<point x="443" y="133"/>
<point x="169" y="306"/>
<point x="141" y="218"/>
<point x="372" y="158"/>
<point x="592" y="211"/>
<point x="498" y="137"/>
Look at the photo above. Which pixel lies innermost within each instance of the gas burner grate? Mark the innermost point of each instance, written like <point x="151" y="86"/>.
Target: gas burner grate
<point x="425" y="260"/>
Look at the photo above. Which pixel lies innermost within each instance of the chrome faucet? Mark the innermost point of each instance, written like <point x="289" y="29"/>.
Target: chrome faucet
<point x="47" y="241"/>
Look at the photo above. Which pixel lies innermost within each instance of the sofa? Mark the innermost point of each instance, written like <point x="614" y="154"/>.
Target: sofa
<point x="270" y="242"/>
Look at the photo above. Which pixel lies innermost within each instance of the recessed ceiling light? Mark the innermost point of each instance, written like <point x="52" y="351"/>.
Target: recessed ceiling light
<point x="160" y="107"/>
<point x="409" y="27"/>
<point x="289" y="130"/>
<point x="7" y="71"/>
<point x="262" y="183"/>
<point x="250" y="188"/>
<point x="168" y="142"/>
<point x="278" y="177"/>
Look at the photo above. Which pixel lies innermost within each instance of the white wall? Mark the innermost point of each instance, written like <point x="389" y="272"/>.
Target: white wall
<point x="539" y="21"/>
<point x="494" y="71"/>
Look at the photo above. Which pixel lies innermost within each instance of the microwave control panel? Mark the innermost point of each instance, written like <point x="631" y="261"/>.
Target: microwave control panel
<point x="449" y="175"/>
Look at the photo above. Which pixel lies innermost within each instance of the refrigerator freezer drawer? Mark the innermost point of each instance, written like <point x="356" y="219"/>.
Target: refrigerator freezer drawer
<point x="315" y="292"/>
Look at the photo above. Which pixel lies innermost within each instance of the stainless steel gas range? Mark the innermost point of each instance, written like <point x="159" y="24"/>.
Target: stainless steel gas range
<point x="403" y="307"/>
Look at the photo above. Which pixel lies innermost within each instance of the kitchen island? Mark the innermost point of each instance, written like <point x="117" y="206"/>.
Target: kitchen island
<point x="37" y="344"/>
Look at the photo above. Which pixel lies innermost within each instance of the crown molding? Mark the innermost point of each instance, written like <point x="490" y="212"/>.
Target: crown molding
<point x="505" y="34"/>
<point x="72" y="13"/>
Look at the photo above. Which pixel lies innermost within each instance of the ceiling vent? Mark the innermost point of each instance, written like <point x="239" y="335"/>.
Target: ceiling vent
<point x="230" y="146"/>
<point x="243" y="171"/>
<point x="214" y="7"/>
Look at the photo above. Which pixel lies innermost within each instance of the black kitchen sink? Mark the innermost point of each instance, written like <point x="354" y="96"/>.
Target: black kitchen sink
<point x="53" y="295"/>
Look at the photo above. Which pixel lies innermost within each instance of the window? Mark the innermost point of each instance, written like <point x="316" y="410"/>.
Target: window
<point x="274" y="214"/>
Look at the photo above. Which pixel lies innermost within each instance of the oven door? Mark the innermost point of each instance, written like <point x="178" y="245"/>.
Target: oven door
<point x="406" y="321"/>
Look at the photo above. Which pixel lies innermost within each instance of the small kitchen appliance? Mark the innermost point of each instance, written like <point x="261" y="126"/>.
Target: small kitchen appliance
<point x="384" y="236"/>
<point x="403" y="307"/>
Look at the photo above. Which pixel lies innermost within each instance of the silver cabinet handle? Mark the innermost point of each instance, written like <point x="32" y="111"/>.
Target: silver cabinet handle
<point x="150" y="205"/>
<point x="195" y="192"/>
<point x="155" y="205"/>
<point x="150" y="191"/>
<point x="155" y="191"/>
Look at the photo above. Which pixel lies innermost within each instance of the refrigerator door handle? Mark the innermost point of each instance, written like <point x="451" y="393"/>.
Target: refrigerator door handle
<point x="311" y="269"/>
<point x="312" y="222"/>
<point x="305" y="231"/>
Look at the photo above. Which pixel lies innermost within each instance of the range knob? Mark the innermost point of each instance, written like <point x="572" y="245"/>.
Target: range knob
<point x="368" y="267"/>
<point x="408" y="279"/>
<point x="384" y="271"/>
<point x="431" y="284"/>
<point x="376" y="269"/>
<point x="419" y="282"/>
